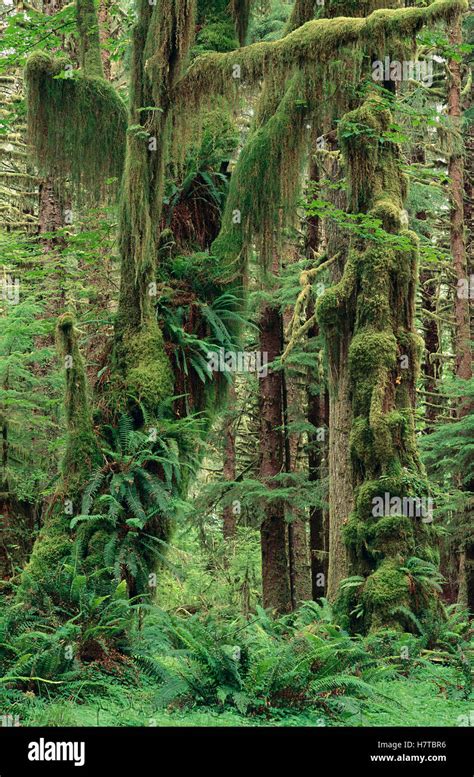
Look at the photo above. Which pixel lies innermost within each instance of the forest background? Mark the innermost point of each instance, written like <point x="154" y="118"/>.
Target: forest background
<point x="236" y="392"/>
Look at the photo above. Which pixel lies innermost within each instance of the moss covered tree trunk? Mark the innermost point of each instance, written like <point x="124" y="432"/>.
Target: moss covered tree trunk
<point x="462" y="330"/>
<point x="81" y="457"/>
<point x="298" y="544"/>
<point x="160" y="43"/>
<point x="375" y="299"/>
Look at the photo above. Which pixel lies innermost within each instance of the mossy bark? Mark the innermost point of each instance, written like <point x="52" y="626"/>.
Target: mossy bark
<point x="376" y="299"/>
<point x="161" y="41"/>
<point x="462" y="330"/>
<point x="273" y="531"/>
<point x="54" y="545"/>
<point x="90" y="58"/>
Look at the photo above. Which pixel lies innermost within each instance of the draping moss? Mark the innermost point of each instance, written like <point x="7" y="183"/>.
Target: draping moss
<point x="310" y="46"/>
<point x="76" y="124"/>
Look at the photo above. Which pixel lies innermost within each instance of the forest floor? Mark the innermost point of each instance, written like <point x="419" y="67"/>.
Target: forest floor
<point x="412" y="701"/>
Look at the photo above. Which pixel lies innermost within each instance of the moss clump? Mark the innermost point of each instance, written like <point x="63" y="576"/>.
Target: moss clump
<point x="384" y="590"/>
<point x="333" y="306"/>
<point x="355" y="532"/>
<point x="371" y="353"/>
<point x="148" y="377"/>
<point x="53" y="547"/>
<point x="76" y="124"/>
<point x="393" y="534"/>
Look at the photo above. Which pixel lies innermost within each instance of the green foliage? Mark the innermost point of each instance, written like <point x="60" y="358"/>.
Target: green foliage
<point x="130" y="502"/>
<point x="259" y="667"/>
<point x="51" y="648"/>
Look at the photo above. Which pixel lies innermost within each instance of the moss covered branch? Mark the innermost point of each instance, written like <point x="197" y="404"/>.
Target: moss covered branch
<point x="313" y="44"/>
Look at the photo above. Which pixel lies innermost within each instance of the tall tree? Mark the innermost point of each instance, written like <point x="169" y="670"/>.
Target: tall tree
<point x="462" y="329"/>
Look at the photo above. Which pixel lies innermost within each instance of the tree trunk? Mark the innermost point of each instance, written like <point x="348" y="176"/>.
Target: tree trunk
<point x="341" y="497"/>
<point x="298" y="549"/>
<point x="373" y="308"/>
<point x="273" y="531"/>
<point x="458" y="248"/>
<point x="229" y="528"/>
<point x="462" y="332"/>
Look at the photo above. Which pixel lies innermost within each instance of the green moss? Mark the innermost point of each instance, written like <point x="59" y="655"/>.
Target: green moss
<point x="385" y="589"/>
<point x="312" y="45"/>
<point x="89" y="43"/>
<point x="148" y="375"/>
<point x="371" y="355"/>
<point x="355" y="532"/>
<point x="82" y="452"/>
<point x="67" y="112"/>
<point x="271" y="158"/>
<point x="392" y="535"/>
<point x="333" y="305"/>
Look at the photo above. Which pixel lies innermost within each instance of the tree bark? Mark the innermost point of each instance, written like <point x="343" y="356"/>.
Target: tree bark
<point x="273" y="531"/>
<point x="298" y="548"/>
<point x="229" y="528"/>
<point x="462" y="332"/>
<point x="341" y="496"/>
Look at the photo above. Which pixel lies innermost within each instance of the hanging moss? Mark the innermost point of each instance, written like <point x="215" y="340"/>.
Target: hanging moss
<point x="76" y="124"/>
<point x="271" y="158"/>
<point x="308" y="47"/>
